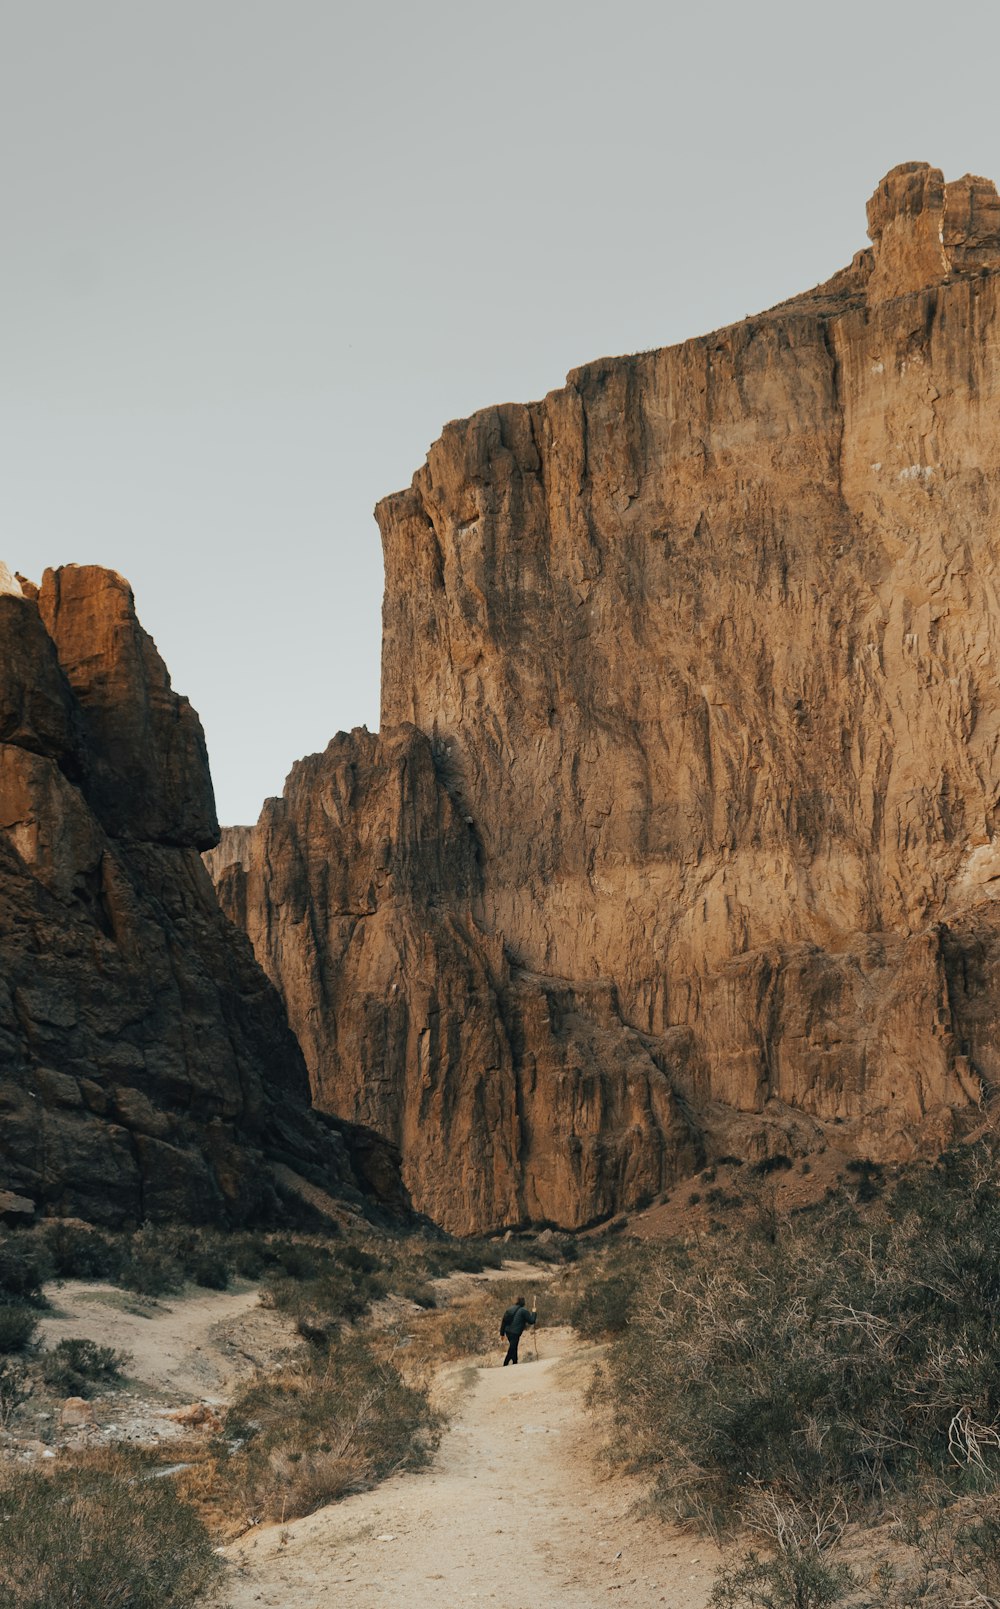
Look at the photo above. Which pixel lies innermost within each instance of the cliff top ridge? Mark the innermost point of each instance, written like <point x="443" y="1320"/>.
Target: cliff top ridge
<point x="923" y="230"/>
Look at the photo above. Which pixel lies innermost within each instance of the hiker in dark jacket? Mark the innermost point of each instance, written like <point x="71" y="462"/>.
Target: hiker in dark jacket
<point x="512" y="1327"/>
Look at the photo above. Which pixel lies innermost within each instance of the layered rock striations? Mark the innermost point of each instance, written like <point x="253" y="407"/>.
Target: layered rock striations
<point x="510" y="1096"/>
<point x="146" y="1065"/>
<point x="683" y="823"/>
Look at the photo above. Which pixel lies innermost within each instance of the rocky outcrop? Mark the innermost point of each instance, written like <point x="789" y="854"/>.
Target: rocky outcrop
<point x="146" y="1066"/>
<point x="510" y="1096"/>
<point x="703" y="654"/>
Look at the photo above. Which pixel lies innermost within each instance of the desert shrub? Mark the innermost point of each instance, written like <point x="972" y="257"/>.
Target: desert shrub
<point x="779" y="1163"/>
<point x="800" y="1578"/>
<point x="159" y="1259"/>
<point x="717" y="1197"/>
<point x="14" y="1388"/>
<point x="359" y="1260"/>
<point x="541" y="1249"/>
<point x="870" y="1179"/>
<point x="210" y="1270"/>
<point x="442" y="1257"/>
<point x="838" y="1355"/>
<point x="249" y="1256"/>
<point x="978" y="1549"/>
<point x="608" y="1290"/>
<point x="76" y="1365"/>
<point x="468" y="1327"/>
<point x="77" y="1253"/>
<point x="82" y="1536"/>
<point x="23" y="1267"/>
<point x="320" y="1304"/>
<point x="150" y="1266"/>
<point x="415" y="1289"/>
<point x="298" y="1259"/>
<point x="307" y="1436"/>
<point x="18" y="1323"/>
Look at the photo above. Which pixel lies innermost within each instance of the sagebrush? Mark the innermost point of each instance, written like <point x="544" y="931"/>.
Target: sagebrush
<point x="81" y="1536"/>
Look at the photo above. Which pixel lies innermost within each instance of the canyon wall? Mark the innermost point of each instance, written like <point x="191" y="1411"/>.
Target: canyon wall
<point x="681" y="832"/>
<point x="147" y="1070"/>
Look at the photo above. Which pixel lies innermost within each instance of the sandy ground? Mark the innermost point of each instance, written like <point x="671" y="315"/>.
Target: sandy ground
<point x="513" y="1511"/>
<point x="184" y="1350"/>
<point x="188" y="1348"/>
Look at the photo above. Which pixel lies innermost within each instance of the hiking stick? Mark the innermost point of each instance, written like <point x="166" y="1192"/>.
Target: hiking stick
<point x="534" y="1327"/>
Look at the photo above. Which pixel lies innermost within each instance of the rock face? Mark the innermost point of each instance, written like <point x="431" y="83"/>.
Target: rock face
<point x="509" y="1095"/>
<point x="683" y="823"/>
<point x="146" y="1066"/>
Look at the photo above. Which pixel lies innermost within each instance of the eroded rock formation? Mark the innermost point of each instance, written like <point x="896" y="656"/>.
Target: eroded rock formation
<point x="509" y="1095"/>
<point x="683" y="820"/>
<point x="146" y="1066"/>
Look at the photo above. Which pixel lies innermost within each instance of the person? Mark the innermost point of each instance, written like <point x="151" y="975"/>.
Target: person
<point x="512" y="1326"/>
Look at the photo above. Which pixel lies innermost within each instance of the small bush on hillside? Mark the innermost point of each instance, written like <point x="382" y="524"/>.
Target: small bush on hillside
<point x="608" y="1291"/>
<point x="75" y="1366"/>
<point x="358" y="1260"/>
<point x="321" y="1304"/>
<point x="149" y="1266"/>
<point x="23" y="1267"/>
<point x="780" y="1163"/>
<point x="460" y="1257"/>
<point x="793" y="1579"/>
<point x="14" y="1388"/>
<point x="839" y="1355"/>
<point x="78" y="1536"/>
<point x="308" y="1436"/>
<point x="210" y="1270"/>
<point x="77" y="1253"/>
<point x="468" y="1327"/>
<point x="18" y="1323"/>
<point x="870" y="1179"/>
<point x="415" y="1289"/>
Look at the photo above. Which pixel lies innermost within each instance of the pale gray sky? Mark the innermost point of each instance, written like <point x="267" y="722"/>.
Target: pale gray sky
<point x="257" y="252"/>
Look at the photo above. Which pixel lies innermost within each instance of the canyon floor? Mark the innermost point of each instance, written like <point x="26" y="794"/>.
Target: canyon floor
<point x="515" y="1509"/>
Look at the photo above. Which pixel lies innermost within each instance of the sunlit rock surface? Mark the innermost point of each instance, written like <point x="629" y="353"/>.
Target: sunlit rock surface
<point x="683" y="819"/>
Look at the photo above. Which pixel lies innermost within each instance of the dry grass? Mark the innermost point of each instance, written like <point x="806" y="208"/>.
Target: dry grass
<point x="799" y="1375"/>
<point x="356" y="1408"/>
<point x="100" y="1533"/>
<point x="468" y="1327"/>
<point x="306" y="1436"/>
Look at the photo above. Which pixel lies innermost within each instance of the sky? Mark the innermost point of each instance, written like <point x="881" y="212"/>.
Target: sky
<point x="256" y="253"/>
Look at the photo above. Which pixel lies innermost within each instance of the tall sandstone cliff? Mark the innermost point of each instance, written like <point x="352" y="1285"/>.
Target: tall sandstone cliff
<point x="681" y="833"/>
<point x="147" y="1069"/>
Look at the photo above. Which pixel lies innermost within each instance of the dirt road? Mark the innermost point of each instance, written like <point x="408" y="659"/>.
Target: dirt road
<point x="513" y="1511"/>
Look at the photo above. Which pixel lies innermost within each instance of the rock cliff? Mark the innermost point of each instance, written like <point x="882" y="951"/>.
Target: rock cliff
<point x="682" y="830"/>
<point x="146" y="1065"/>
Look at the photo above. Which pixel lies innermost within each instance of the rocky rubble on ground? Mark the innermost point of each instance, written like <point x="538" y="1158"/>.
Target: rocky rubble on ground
<point x="681" y="829"/>
<point x="147" y="1070"/>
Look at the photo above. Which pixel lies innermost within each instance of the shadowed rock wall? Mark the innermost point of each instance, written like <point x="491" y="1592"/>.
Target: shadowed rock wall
<point x="146" y="1066"/>
<point x="703" y="649"/>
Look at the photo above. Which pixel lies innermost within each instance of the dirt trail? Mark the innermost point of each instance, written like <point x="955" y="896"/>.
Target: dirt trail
<point x="184" y="1347"/>
<point x="512" y="1511"/>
